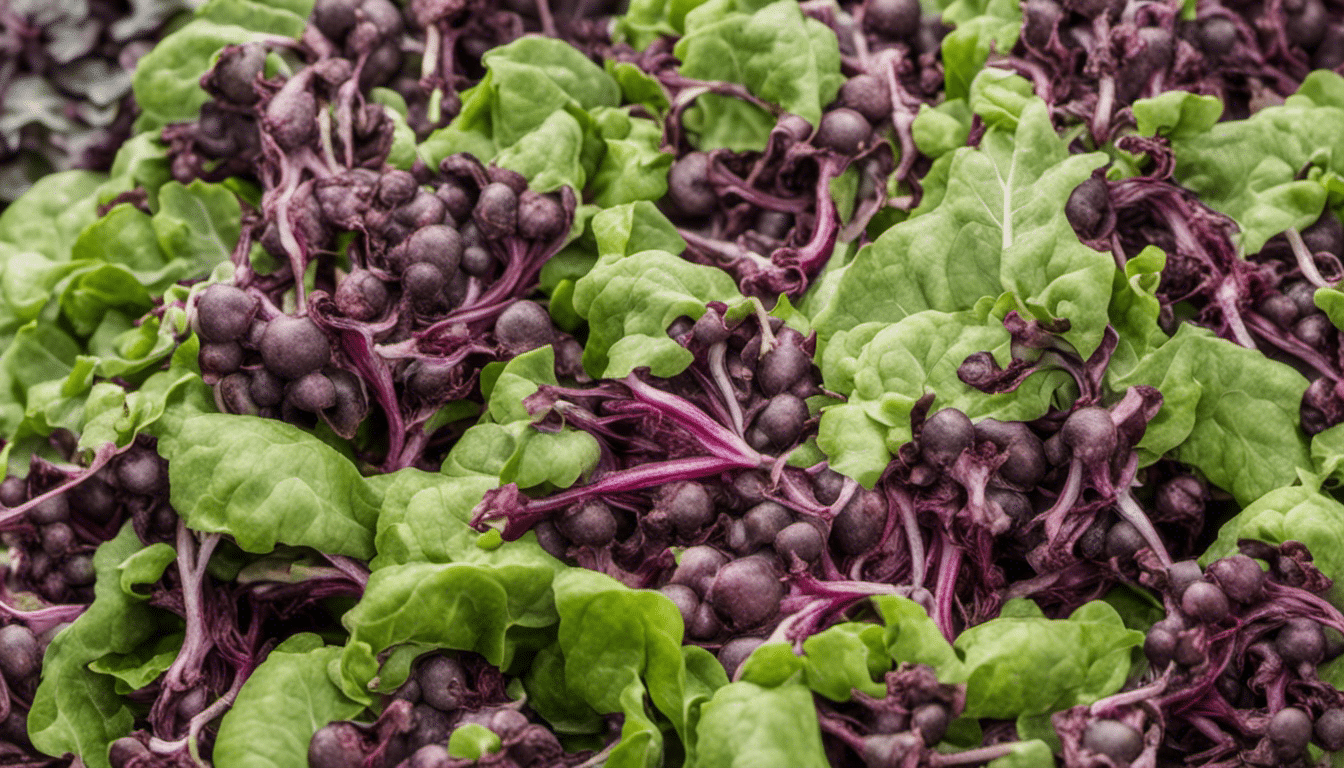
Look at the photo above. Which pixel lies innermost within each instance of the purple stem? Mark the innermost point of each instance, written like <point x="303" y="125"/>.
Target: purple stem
<point x="1130" y="510"/>
<point x="1068" y="496"/>
<point x="721" y="441"/>
<point x="724" y="179"/>
<point x="1268" y="331"/>
<point x="44" y="619"/>
<point x="971" y="756"/>
<point x="16" y="516"/>
<point x="949" y="567"/>
<point x="191" y="564"/>
<point x="719" y="371"/>
<point x="638" y="478"/>
<point x="914" y="537"/>
<point x="721" y="250"/>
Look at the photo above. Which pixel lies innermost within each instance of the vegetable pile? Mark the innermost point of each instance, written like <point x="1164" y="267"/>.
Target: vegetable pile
<point x="698" y="383"/>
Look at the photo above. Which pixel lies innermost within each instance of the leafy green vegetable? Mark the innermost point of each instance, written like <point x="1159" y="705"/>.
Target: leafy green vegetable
<point x="266" y="482"/>
<point x="505" y="447"/>
<point x="1251" y="169"/>
<point x="748" y="725"/>
<point x="140" y="667"/>
<point x="444" y="605"/>
<point x="471" y="741"/>
<point x="1177" y="114"/>
<point x="620" y="645"/>
<point x="1000" y="227"/>
<point x="885" y="370"/>
<point x="1020" y="663"/>
<point x="981" y="26"/>
<point x="629" y="302"/>
<point x="167" y="80"/>
<point x="1227" y="410"/>
<point x="77" y="709"/>
<point x="1293" y="513"/>
<point x="779" y="54"/>
<point x="282" y="704"/>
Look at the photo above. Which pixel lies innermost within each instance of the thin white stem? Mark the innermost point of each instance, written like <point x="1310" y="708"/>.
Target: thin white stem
<point x="1305" y="260"/>
<point x="719" y="371"/>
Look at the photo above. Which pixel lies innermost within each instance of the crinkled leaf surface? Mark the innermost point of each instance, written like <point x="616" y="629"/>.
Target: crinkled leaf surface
<point x="999" y="227"/>
<point x="75" y="709"/>
<point x="1251" y="169"/>
<point x="779" y="54"/>
<point x="748" y="726"/>
<point x="282" y="704"/>
<point x="1294" y="513"/>
<point x="1229" y="411"/>
<point x="893" y="368"/>
<point x="266" y="482"/>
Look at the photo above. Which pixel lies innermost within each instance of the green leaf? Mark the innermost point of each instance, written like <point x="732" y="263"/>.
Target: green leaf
<point x="123" y="236"/>
<point x="48" y="218"/>
<point x="145" y="567"/>
<point x="91" y="292"/>
<point x="630" y="302"/>
<point x="1025" y="754"/>
<point x="551" y="698"/>
<point x="901" y="363"/>
<point x="425" y="518"/>
<point x="529" y="83"/>
<point x="634" y="166"/>
<point x="197" y="225"/>
<point x="472" y="741"/>
<point x="993" y="28"/>
<point x="167" y="79"/>
<point x="639" y="87"/>
<point x="157" y="407"/>
<point x="283" y="703"/>
<point x="647" y="20"/>
<point x="746" y="725"/>
<point x="550" y="156"/>
<point x="1177" y="114"/>
<point x="612" y="636"/>
<point x="1295" y="513"/>
<point x="144" y="665"/>
<point x="625" y="230"/>
<point x="941" y="129"/>
<point x="1251" y="169"/>
<point x="999" y="227"/>
<point x="724" y="122"/>
<point x="266" y="482"/>
<point x="1229" y="411"/>
<point x="911" y="636"/>
<point x="1327" y="454"/>
<point x="1134" y="309"/>
<point x="779" y="54"/>
<point x="75" y="709"/>
<point x="459" y="606"/>
<point x="141" y="162"/>
<point x="842" y="658"/>
<point x="1027" y="664"/>
<point x="258" y="16"/>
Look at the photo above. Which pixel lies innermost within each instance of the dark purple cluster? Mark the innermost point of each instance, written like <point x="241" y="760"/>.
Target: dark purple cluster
<point x="1090" y="59"/>
<point x="901" y="727"/>
<point x="416" y="275"/>
<point x="768" y="217"/>
<point x="1265" y="301"/>
<point x="58" y="515"/>
<point x="1233" y="668"/>
<point x="445" y="692"/>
